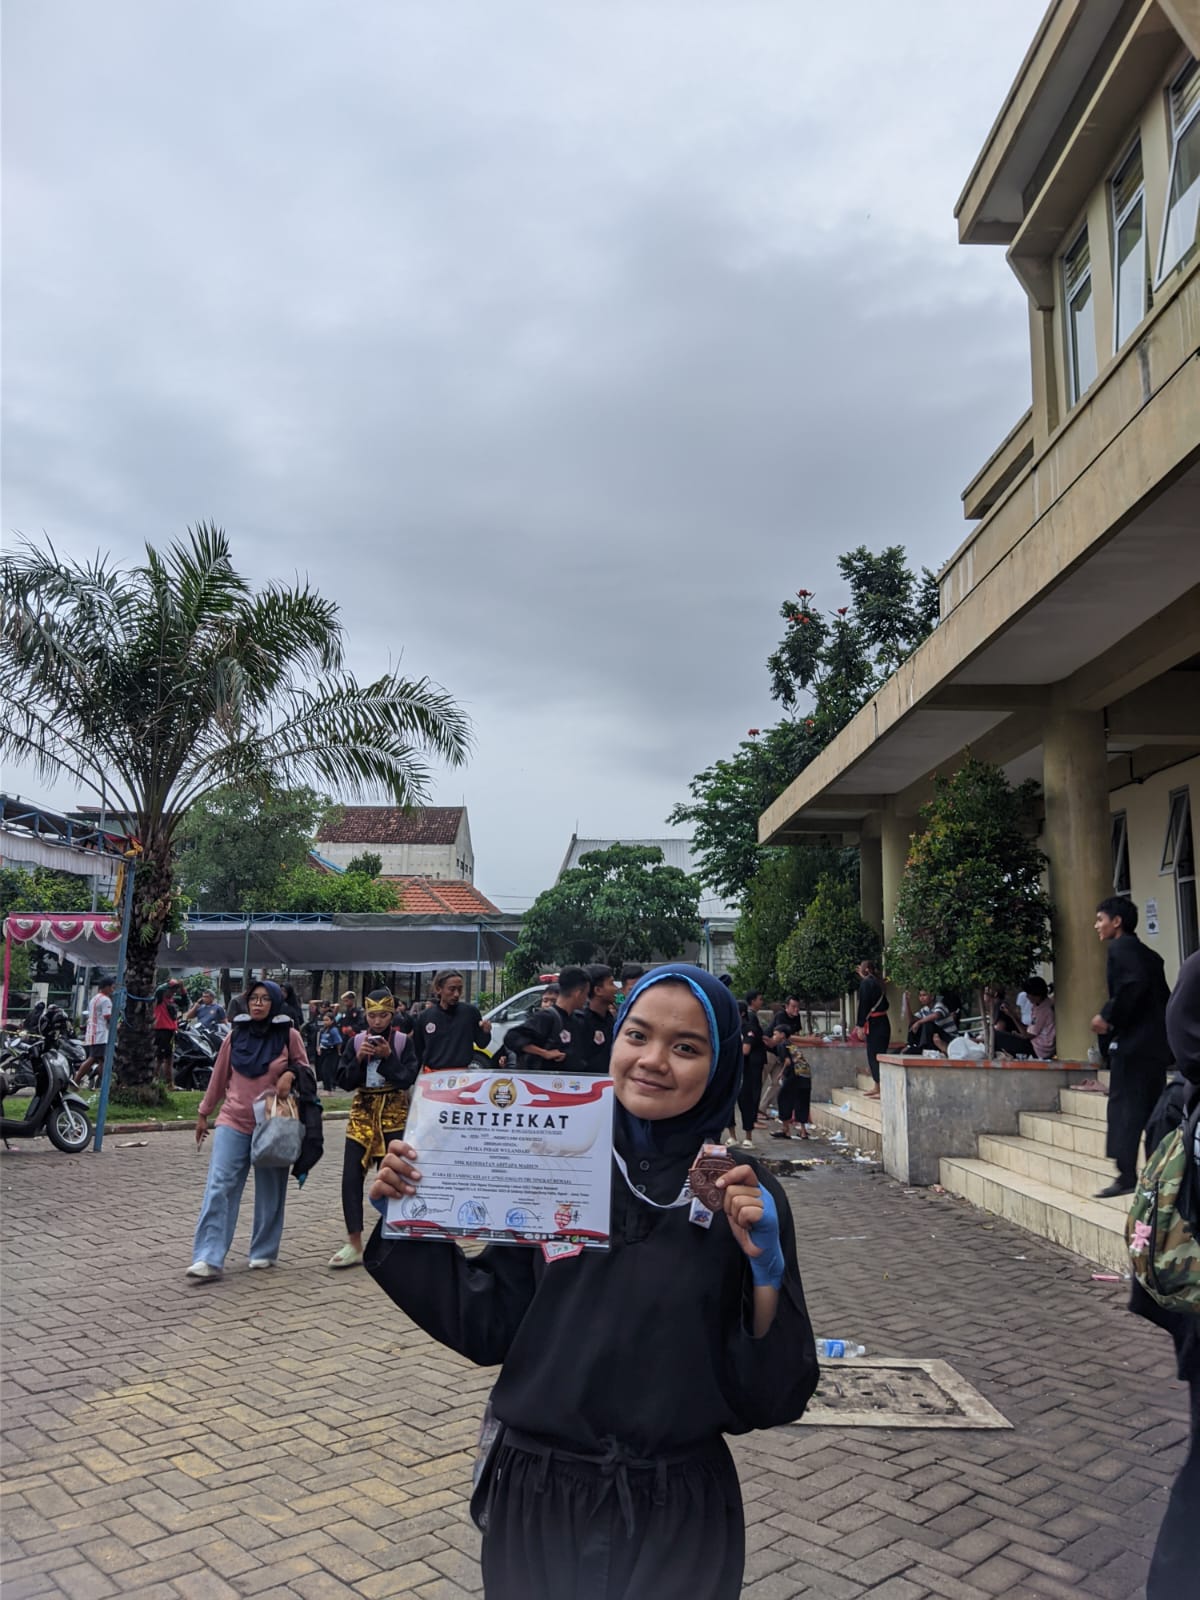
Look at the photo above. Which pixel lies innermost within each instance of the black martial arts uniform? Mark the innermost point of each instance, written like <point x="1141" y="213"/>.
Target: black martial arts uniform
<point x="753" y="1062"/>
<point x="1175" y="1569"/>
<point x="622" y="1370"/>
<point x="550" y="1028"/>
<point x="873" y="1019"/>
<point x="1138" y="1052"/>
<point x="447" y="1038"/>
<point x="795" y="1086"/>
<point x="591" y="1041"/>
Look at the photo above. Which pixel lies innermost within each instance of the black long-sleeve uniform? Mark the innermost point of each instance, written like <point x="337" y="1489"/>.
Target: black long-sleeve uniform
<point x="1138" y="1051"/>
<point x="591" y="1041"/>
<point x="622" y="1369"/>
<point x="448" y="1038"/>
<point x="873" y="1018"/>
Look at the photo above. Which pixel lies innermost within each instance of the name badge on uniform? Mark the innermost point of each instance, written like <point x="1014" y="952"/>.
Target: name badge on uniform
<point x="565" y="1036"/>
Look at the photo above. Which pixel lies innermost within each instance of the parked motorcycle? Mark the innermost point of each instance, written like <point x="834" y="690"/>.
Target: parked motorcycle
<point x="195" y="1055"/>
<point x="53" y="1109"/>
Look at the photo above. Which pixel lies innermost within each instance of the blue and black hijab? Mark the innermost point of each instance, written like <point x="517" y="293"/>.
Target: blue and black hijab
<point x="713" y="1112"/>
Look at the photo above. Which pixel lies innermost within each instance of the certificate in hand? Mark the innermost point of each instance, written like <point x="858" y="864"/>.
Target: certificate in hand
<point x="521" y="1158"/>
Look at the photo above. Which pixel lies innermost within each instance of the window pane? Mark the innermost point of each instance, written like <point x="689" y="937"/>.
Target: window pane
<point x="1083" y="339"/>
<point x="1131" y="274"/>
<point x="1175" y="817"/>
<point x="1183" y="203"/>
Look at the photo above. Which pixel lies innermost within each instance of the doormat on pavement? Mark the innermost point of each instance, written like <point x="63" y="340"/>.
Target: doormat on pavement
<point x="897" y="1394"/>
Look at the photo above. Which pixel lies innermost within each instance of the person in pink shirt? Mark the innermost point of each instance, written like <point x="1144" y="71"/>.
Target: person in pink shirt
<point x="263" y="1052"/>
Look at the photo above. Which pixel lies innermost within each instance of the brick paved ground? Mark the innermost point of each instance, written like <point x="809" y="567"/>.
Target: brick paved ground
<point x="288" y="1433"/>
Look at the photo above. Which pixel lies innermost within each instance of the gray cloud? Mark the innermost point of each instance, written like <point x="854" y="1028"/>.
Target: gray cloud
<point x="561" y="341"/>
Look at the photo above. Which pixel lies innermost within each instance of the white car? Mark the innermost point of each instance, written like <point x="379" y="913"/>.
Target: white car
<point x="511" y="1011"/>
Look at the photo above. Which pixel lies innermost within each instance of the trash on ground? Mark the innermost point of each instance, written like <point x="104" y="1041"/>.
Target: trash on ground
<point x="132" y="1144"/>
<point x="1106" y="1277"/>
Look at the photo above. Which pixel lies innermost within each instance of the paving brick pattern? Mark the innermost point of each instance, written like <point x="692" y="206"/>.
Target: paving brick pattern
<point x="289" y="1434"/>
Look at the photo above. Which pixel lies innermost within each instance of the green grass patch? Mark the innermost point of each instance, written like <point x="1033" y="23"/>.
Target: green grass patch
<point x="182" y="1105"/>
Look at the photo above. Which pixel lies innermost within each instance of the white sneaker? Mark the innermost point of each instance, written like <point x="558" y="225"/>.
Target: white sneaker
<point x="203" y="1271"/>
<point x="747" y="1144"/>
<point x="260" y="1263"/>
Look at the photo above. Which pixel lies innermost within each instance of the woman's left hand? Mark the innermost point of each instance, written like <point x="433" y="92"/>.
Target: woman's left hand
<point x="283" y="1084"/>
<point x="754" y="1223"/>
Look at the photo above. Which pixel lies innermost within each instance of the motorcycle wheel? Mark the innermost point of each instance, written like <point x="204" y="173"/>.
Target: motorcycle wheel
<point x="201" y="1077"/>
<point x="69" y="1130"/>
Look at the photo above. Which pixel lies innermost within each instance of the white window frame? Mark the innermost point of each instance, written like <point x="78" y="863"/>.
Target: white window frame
<point x="1177" y="134"/>
<point x="1179" y="805"/>
<point x="1120" y="854"/>
<point x="1075" y="394"/>
<point x="1119" y="218"/>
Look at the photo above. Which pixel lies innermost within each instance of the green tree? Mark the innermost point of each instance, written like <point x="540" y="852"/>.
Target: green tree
<point x="367" y="863"/>
<point x="817" y="959"/>
<point x="306" y="888"/>
<point x="825" y="668"/>
<point x="775" y="900"/>
<point x="620" y="904"/>
<point x="234" y="843"/>
<point x="157" y="684"/>
<point x="971" y="909"/>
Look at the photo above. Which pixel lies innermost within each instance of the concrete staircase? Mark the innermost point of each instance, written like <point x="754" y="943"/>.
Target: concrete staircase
<point x="1044" y="1178"/>
<point x="861" y="1121"/>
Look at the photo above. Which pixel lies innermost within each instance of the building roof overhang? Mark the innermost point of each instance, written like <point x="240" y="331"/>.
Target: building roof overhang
<point x="1083" y="613"/>
<point x="1055" y="70"/>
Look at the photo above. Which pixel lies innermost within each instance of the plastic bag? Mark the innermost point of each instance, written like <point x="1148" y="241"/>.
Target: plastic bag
<point x="278" y="1132"/>
<point x="963" y="1048"/>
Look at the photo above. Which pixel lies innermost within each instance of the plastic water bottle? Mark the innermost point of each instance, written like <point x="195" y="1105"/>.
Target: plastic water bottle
<point x="839" y="1350"/>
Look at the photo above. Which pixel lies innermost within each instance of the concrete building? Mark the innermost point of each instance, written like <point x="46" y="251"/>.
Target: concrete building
<point x="1068" y="648"/>
<point x="422" y="841"/>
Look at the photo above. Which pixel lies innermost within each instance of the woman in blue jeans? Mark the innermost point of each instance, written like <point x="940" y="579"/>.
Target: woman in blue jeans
<point x="263" y="1052"/>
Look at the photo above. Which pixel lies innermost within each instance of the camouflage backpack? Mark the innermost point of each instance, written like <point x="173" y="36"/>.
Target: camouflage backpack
<point x="1164" y="1250"/>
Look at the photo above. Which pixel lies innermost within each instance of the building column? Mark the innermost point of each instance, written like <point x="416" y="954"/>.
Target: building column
<point x="895" y="839"/>
<point x="870" y="882"/>
<point x="1078" y="843"/>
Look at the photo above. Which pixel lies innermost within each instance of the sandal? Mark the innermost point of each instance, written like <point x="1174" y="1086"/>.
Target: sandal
<point x="347" y="1256"/>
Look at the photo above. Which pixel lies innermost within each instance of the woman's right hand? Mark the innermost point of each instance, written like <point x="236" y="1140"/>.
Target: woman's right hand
<point x="397" y="1176"/>
<point x="201" y="1128"/>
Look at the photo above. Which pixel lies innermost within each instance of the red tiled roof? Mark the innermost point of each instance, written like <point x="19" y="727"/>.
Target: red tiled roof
<point x="429" y="896"/>
<point x="393" y="825"/>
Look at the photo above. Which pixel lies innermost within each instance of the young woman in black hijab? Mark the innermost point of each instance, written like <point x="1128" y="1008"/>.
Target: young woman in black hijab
<point x="623" y="1369"/>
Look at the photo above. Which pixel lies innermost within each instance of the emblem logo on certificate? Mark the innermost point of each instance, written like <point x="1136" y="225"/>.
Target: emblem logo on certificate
<point x="520" y="1159"/>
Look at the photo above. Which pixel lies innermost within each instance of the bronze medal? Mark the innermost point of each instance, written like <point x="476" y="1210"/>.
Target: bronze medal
<point x="713" y="1162"/>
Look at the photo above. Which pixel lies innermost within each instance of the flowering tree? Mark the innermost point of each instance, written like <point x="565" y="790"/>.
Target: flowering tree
<point x="825" y="668"/>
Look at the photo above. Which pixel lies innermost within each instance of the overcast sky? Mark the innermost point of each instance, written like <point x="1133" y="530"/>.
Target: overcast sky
<point x="563" y="340"/>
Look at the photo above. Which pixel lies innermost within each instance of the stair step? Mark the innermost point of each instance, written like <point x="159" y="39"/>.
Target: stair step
<point x="1065" y="1132"/>
<point x="864" y="1080"/>
<point x="1091" y="1106"/>
<point x="1067" y="1170"/>
<point x="1092" y="1228"/>
<point x="862" y="1123"/>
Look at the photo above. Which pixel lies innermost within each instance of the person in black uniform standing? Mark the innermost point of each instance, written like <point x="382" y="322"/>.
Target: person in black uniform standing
<point x="1175" y="1569"/>
<point x="623" y="1368"/>
<point x="447" y="1033"/>
<point x="545" y="1038"/>
<point x="1133" y="1020"/>
<point x="873" y="1018"/>
<point x="592" y="1025"/>
<point x="754" y="1059"/>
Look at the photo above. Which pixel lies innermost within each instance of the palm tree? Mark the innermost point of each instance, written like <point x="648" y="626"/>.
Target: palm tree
<point x="156" y="684"/>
